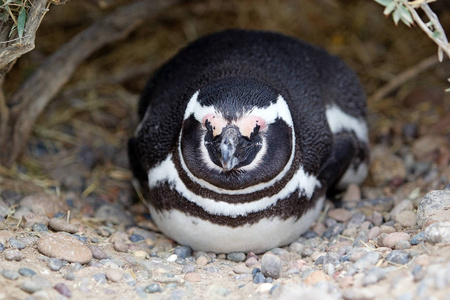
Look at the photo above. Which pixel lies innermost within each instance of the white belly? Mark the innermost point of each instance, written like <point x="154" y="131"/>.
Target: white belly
<point x="257" y="237"/>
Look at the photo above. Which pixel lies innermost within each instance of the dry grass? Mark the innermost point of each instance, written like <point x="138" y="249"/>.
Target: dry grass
<point x="98" y="108"/>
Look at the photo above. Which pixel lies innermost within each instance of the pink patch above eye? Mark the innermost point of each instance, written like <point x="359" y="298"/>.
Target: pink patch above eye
<point x="247" y="125"/>
<point x="217" y="123"/>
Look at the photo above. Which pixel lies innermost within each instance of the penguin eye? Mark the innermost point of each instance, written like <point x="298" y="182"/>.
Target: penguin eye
<point x="250" y="126"/>
<point x="214" y="123"/>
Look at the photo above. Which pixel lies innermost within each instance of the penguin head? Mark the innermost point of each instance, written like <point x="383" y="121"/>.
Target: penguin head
<point x="236" y="133"/>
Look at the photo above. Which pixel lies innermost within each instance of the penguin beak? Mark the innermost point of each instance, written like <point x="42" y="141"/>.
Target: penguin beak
<point x="228" y="144"/>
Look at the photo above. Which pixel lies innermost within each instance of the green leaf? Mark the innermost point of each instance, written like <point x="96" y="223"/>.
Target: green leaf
<point x="405" y="15"/>
<point x="21" y="21"/>
<point x="389" y="8"/>
<point x="384" y="2"/>
<point x="436" y="34"/>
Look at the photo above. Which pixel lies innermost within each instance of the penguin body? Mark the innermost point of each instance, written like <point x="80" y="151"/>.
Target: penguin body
<point x="241" y="135"/>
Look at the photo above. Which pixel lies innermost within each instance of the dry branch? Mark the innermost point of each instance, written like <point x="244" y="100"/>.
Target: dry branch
<point x="34" y="95"/>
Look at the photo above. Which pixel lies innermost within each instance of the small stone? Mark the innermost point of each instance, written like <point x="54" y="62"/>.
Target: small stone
<point x="114" y="275"/>
<point x="352" y="194"/>
<point x="100" y="278"/>
<point x="97" y="252"/>
<point x="236" y="256"/>
<point x="373" y="276"/>
<point x="61" y="225"/>
<point x="113" y="214"/>
<point x="316" y="255"/>
<point x="418" y="238"/>
<point x="183" y="251"/>
<point x="271" y="265"/>
<point x="435" y="205"/>
<point x="192" y="277"/>
<point x="334" y="230"/>
<point x="373" y="232"/>
<point x="43" y="204"/>
<point x="39" y="227"/>
<point x="69" y="276"/>
<point x="120" y="246"/>
<point x="392" y="239"/>
<point x="66" y="247"/>
<point x="10" y="274"/>
<point x="241" y="269"/>
<point x="377" y="218"/>
<point x="264" y="288"/>
<point x="340" y="214"/>
<point x="250" y="262"/>
<point x="360" y="241"/>
<point x="437" y="233"/>
<point x="55" y="264"/>
<point x="188" y="269"/>
<point x="201" y="261"/>
<point x="17" y="244"/>
<point x="13" y="254"/>
<point x="316" y="276"/>
<point x="27" y="272"/>
<point x="104" y="231"/>
<point x="153" y="288"/>
<point x="172" y="258"/>
<point x="140" y="254"/>
<point x="30" y="286"/>
<point x="398" y="257"/>
<point x="357" y="220"/>
<point x="259" y="278"/>
<point x="401" y="206"/>
<point x="136" y="238"/>
<point x="367" y="260"/>
<point x="63" y="289"/>
<point x="402" y="245"/>
<point x="406" y="218"/>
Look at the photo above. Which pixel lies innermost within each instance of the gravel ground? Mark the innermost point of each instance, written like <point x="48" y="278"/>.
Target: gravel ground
<point x="385" y="242"/>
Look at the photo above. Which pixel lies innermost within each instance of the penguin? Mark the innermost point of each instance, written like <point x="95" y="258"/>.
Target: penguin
<point x="241" y="135"/>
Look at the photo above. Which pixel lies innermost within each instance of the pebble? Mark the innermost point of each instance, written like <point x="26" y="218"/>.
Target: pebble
<point x="316" y="276"/>
<point x="398" y="257"/>
<point x="188" y="269"/>
<point x="27" y="272"/>
<point x="39" y="227"/>
<point x="373" y="232"/>
<point x="97" y="252"/>
<point x="438" y="233"/>
<point x="153" y="288"/>
<point x="10" y="274"/>
<point x="114" y="275"/>
<point x="30" y="286"/>
<point x="236" y="256"/>
<point x="63" y="289"/>
<point x="183" y="251"/>
<point x="376" y="218"/>
<point x="61" y="225"/>
<point x="259" y="278"/>
<point x="434" y="205"/>
<point x="43" y="204"/>
<point x="241" y="269"/>
<point x="120" y="246"/>
<point x="192" y="277"/>
<point x="391" y="239"/>
<point x="271" y="265"/>
<point x="367" y="260"/>
<point x="201" y="261"/>
<point x="64" y="246"/>
<point x="99" y="278"/>
<point x="136" y="238"/>
<point x="406" y="218"/>
<point x="340" y="214"/>
<point x="402" y="245"/>
<point x="250" y="262"/>
<point x="55" y="264"/>
<point x="113" y="214"/>
<point x="357" y="220"/>
<point x="13" y="254"/>
<point x="352" y="193"/>
<point x="401" y="206"/>
<point x="2" y="247"/>
<point x="16" y="244"/>
<point x="373" y="276"/>
<point x="418" y="238"/>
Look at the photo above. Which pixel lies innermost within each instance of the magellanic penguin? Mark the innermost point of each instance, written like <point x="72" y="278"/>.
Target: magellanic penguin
<point x="241" y="135"/>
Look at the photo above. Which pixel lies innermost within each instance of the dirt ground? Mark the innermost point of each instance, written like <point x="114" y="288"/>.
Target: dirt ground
<point x="77" y="152"/>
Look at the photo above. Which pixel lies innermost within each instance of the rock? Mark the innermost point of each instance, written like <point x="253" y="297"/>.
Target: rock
<point x="114" y="275"/>
<point x="373" y="232"/>
<point x="250" y="262"/>
<point x="61" y="225"/>
<point x="113" y="214"/>
<point x="192" y="277"/>
<point x="418" y="238"/>
<point x="391" y="239"/>
<point x="55" y="264"/>
<point x="136" y="238"/>
<point x="438" y="233"/>
<point x="398" y="257"/>
<point x="435" y="205"/>
<point x="387" y="167"/>
<point x="340" y="214"/>
<point x="44" y="204"/>
<point x="373" y="276"/>
<point x="401" y="206"/>
<point x="99" y="278"/>
<point x="241" y="269"/>
<point x="27" y="272"/>
<point x="120" y="246"/>
<point x="271" y="265"/>
<point x="402" y="245"/>
<point x="316" y="276"/>
<point x="30" y="286"/>
<point x="153" y="288"/>
<point x="367" y="260"/>
<point x="236" y="256"/>
<point x="97" y="252"/>
<point x="352" y="194"/>
<point x="10" y="274"/>
<point x="406" y="218"/>
<point x="63" y="289"/>
<point x="17" y="244"/>
<point x="424" y="147"/>
<point x="13" y="254"/>
<point x="183" y="251"/>
<point x="66" y="247"/>
<point x="201" y="261"/>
